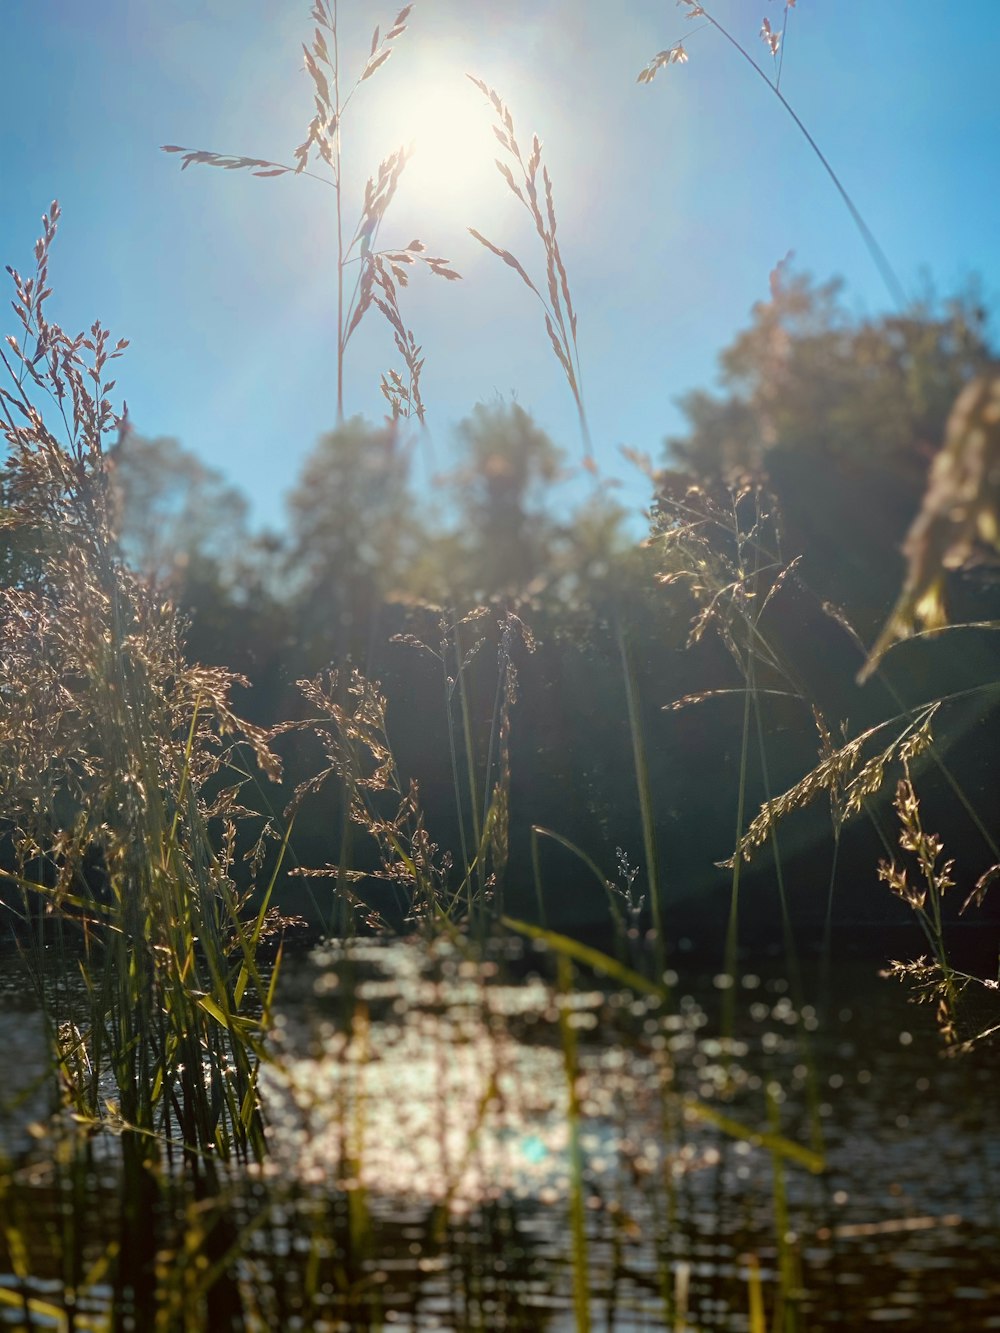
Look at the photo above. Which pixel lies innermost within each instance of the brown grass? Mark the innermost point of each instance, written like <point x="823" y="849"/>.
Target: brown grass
<point x="557" y="303"/>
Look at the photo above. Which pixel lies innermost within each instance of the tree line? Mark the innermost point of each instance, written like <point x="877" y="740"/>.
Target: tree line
<point x="812" y="451"/>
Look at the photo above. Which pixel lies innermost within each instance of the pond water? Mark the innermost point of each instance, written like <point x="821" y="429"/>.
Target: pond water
<point x="454" y="1145"/>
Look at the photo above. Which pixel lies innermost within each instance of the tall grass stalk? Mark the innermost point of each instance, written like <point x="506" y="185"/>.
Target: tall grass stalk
<point x="788" y="938"/>
<point x="359" y="1224"/>
<point x="377" y="274"/>
<point x="463" y="658"/>
<point x="731" y="958"/>
<point x="645" y="794"/>
<point x="755" y="1296"/>
<point x="455" y="659"/>
<point x="677" y="55"/>
<point x="747" y="579"/>
<point x="784" y="1319"/>
<point x="554" y="293"/>
<point x="733" y="573"/>
<point x="359" y="754"/>
<point x="495" y="834"/>
<point x="681" y="1297"/>
<point x="577" y="1205"/>
<point x="618" y="921"/>
<point x="665" y="1201"/>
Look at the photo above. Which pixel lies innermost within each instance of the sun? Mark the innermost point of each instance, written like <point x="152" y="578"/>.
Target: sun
<point x="442" y="120"/>
<point x="451" y="140"/>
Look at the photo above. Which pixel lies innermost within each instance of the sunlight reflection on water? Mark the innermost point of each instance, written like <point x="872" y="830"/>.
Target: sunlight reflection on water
<point x="424" y="1098"/>
<point x="420" y="1078"/>
<point x="430" y="1088"/>
<point x="417" y="1075"/>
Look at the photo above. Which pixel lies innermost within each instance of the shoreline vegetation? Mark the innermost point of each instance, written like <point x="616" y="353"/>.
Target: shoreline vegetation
<point x="518" y="770"/>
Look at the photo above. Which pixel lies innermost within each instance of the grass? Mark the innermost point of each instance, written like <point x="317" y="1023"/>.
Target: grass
<point x="121" y="802"/>
<point x="222" y="1160"/>
<point x="557" y="301"/>
<point x="367" y="277"/>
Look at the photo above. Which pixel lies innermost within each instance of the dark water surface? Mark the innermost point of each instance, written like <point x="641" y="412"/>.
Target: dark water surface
<point x="422" y="1142"/>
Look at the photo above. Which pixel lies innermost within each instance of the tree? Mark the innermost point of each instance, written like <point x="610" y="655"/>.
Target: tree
<point x="184" y="527"/>
<point x="174" y="513"/>
<point x="505" y="531"/>
<point x="354" y="533"/>
<point x="843" y="416"/>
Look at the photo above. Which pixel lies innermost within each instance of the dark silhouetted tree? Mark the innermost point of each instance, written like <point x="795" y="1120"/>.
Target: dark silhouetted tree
<point x="354" y="533"/>
<point x="842" y="416"/>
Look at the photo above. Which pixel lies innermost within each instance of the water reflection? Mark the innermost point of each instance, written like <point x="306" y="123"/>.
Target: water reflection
<point x="424" y="1081"/>
<point x="422" y="1173"/>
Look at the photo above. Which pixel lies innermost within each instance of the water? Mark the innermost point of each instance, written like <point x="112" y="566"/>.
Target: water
<point x="421" y="1169"/>
<point x="453" y="1093"/>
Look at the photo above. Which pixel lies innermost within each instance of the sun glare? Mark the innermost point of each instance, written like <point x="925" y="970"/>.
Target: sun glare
<point x="444" y="121"/>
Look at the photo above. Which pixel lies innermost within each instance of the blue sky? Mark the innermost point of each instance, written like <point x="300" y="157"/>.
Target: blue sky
<point x="675" y="200"/>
